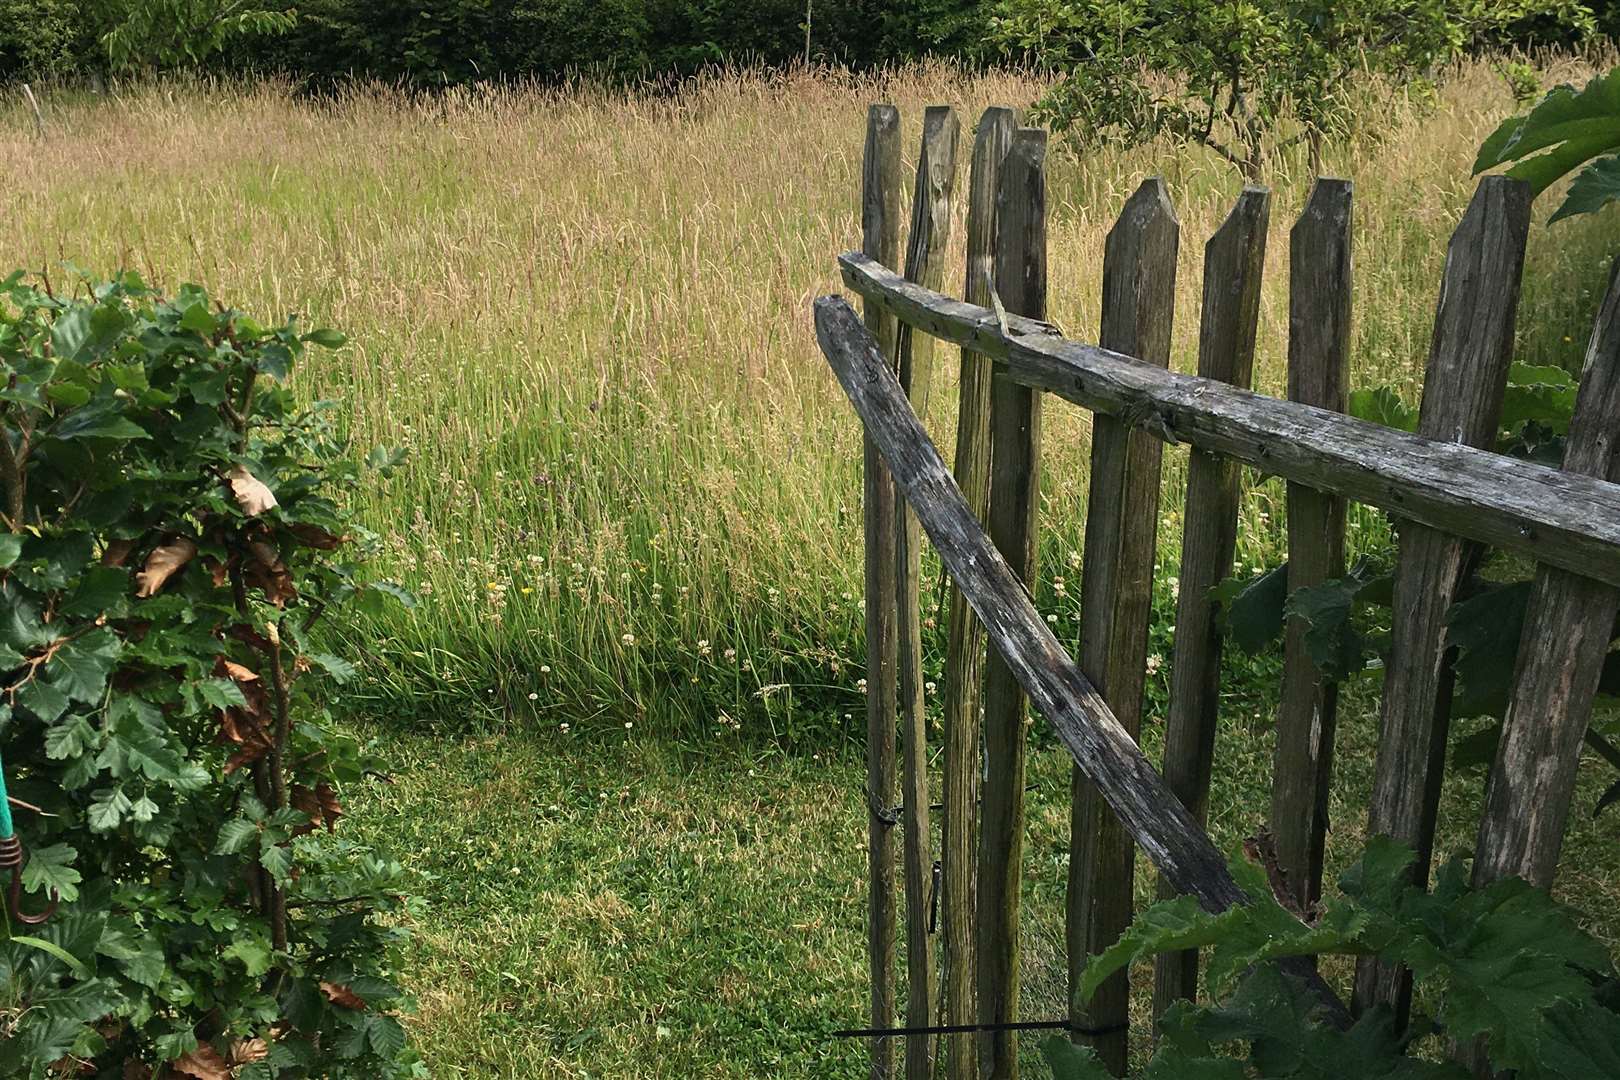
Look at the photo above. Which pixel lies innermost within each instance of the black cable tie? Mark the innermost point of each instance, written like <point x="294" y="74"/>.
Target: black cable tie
<point x="967" y="1029"/>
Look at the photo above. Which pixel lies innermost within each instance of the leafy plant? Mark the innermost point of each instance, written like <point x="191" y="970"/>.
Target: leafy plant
<point x="157" y="34"/>
<point x="1348" y="618"/>
<point x="1231" y="76"/>
<point x="1504" y="964"/>
<point x="1568" y="129"/>
<point x="173" y="530"/>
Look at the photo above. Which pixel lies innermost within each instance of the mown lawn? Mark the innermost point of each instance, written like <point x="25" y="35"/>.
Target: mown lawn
<point x="616" y="905"/>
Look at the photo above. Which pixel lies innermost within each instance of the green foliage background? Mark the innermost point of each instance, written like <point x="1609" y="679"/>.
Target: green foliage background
<point x="433" y="42"/>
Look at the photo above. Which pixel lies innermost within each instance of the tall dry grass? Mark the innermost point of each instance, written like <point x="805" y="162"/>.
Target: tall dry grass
<point x="633" y="487"/>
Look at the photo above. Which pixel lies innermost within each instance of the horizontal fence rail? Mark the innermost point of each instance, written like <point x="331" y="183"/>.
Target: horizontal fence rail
<point x="1563" y="519"/>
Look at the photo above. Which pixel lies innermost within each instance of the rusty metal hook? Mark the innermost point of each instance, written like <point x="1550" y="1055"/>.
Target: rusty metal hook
<point x="12" y="858"/>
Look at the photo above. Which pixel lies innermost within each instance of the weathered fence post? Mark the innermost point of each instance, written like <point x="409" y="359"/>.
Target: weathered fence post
<point x="1015" y="469"/>
<point x="1567" y="627"/>
<point x="880" y="239"/>
<point x="925" y="264"/>
<point x="1234" y="260"/>
<point x="1116" y="596"/>
<point x="1462" y="403"/>
<point x="964" y="657"/>
<point x="1318" y="374"/>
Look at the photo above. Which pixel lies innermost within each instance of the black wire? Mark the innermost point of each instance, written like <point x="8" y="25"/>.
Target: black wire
<point x="964" y="1029"/>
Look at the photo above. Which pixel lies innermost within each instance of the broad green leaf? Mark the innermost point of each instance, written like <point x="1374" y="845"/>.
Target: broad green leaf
<point x="1595" y="187"/>
<point x="83" y="332"/>
<point x="340" y="669"/>
<point x="1562" y="114"/>
<point x="196" y="317"/>
<point x="326" y="339"/>
<point x="99" y="592"/>
<point x="1070" y="1062"/>
<point x="1167" y="926"/>
<point x="387" y="1038"/>
<point x="1485" y="629"/>
<point x="253" y="953"/>
<point x="1336" y="647"/>
<point x="82" y="667"/>
<point x="107" y="809"/>
<point x="234" y="836"/>
<point x="10" y="547"/>
<point x="1254" y="608"/>
<point x="42" y="699"/>
<point x="222" y="693"/>
<point x="1382" y="405"/>
<point x="94" y="422"/>
<point x="1544" y="170"/>
<point x="52" y="868"/>
<point x="69" y="394"/>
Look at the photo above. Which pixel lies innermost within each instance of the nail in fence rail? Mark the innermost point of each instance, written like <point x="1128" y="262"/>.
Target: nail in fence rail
<point x="880" y="235"/>
<point x="925" y="264"/>
<point x="1015" y="471"/>
<point x="1116" y="596"/>
<point x="964" y="654"/>
<point x="1462" y="403"/>
<point x="1318" y="374"/>
<point x="1234" y="260"/>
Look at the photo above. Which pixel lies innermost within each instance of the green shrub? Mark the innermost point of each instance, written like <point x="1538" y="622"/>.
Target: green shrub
<point x="38" y="38"/>
<point x="172" y="528"/>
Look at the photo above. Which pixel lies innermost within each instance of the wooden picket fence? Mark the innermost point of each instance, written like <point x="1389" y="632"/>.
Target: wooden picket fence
<point x="1451" y="495"/>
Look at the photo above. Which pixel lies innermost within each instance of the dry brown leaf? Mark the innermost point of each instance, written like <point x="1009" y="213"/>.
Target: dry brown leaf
<point x="163" y="564"/>
<point x="117" y="552"/>
<point x="269" y="574"/>
<point x="236" y="671"/>
<point x="218" y="571"/>
<point x="203" y="1063"/>
<point x="251" y="493"/>
<point x="247" y="1051"/>
<point x="316" y="537"/>
<point x="338" y="994"/>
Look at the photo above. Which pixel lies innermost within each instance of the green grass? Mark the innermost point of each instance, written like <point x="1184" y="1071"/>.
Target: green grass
<point x="586" y="317"/>
<point x="606" y="904"/>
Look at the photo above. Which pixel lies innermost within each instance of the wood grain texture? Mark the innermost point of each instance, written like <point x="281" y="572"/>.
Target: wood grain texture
<point x="880" y="240"/>
<point x="1560" y="518"/>
<point x="1464" y="384"/>
<point x="1172" y="840"/>
<point x="1015" y="480"/>
<point x="1234" y="260"/>
<point x="1319" y="280"/>
<point x="964" y="652"/>
<point x="1116" y="594"/>
<point x="925" y="264"/>
<point x="1567" y="628"/>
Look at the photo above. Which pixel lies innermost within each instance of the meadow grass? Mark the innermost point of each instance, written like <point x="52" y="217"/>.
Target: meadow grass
<point x="633" y="486"/>
<point x="632" y="498"/>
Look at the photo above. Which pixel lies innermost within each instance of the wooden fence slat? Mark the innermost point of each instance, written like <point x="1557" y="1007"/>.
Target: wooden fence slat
<point x="1116" y="596"/>
<point x="1015" y="425"/>
<point x="1462" y="403"/>
<point x="1234" y="260"/>
<point x="1175" y="843"/>
<point x="1567" y="627"/>
<point x="1560" y="518"/>
<point x="964" y="657"/>
<point x="880" y="240"/>
<point x="1318" y="374"/>
<point x="925" y="264"/>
